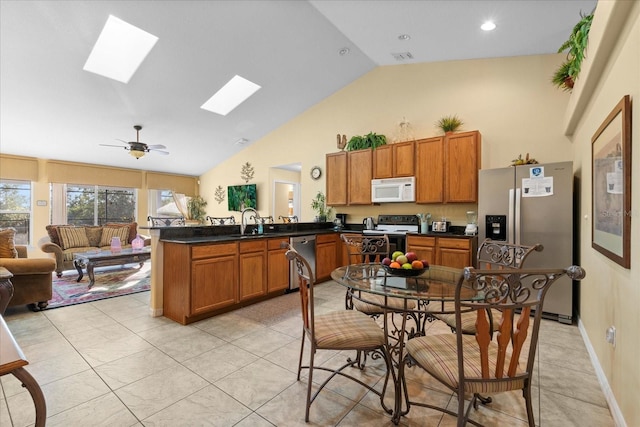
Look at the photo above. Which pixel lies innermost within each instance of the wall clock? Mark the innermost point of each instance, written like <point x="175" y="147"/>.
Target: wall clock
<point x="316" y="172"/>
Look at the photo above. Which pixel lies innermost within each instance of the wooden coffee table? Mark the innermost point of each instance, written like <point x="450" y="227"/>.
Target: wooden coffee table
<point x="92" y="259"/>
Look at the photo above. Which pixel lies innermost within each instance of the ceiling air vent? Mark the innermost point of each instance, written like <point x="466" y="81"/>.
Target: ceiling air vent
<point x="402" y="56"/>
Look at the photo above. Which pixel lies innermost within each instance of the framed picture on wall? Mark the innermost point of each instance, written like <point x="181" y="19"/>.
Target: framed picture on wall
<point x="611" y="185"/>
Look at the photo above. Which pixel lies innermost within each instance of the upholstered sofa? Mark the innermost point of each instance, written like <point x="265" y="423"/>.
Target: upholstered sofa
<point x="32" y="277"/>
<point x="64" y="240"/>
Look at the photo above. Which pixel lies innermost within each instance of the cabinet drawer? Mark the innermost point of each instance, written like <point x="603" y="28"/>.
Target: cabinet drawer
<point x="325" y="238"/>
<point x="209" y="251"/>
<point x="444" y="242"/>
<point x="273" y="244"/>
<point x="253" y="246"/>
<point x="421" y="241"/>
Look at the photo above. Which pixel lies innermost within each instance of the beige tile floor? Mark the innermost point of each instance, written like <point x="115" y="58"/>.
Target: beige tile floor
<point x="108" y="363"/>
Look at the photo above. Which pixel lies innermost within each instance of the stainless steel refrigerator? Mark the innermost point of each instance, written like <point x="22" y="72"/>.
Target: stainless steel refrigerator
<point x="531" y="204"/>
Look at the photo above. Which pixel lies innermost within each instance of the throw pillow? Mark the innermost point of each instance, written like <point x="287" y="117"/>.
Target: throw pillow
<point x="52" y="231"/>
<point x="8" y="243"/>
<point x="133" y="229"/>
<point x="110" y="232"/>
<point x="73" y="237"/>
<point x="94" y="234"/>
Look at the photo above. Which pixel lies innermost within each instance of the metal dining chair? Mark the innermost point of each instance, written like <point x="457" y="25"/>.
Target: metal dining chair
<point x="340" y="330"/>
<point x="486" y="362"/>
<point x="288" y="219"/>
<point x="165" y="221"/>
<point x="225" y="220"/>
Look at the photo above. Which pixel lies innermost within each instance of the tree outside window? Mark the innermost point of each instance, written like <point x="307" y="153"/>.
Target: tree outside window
<point x="96" y="205"/>
<point x="15" y="208"/>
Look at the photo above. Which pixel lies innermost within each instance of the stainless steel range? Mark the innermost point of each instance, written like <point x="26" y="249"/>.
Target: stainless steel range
<point x="396" y="227"/>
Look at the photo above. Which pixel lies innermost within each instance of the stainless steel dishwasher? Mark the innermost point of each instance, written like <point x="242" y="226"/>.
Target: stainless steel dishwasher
<point x="305" y="246"/>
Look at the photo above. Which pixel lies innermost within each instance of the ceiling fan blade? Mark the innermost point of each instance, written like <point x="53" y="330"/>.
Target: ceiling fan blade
<point x="111" y="145"/>
<point x="156" y="146"/>
<point x="164" y="153"/>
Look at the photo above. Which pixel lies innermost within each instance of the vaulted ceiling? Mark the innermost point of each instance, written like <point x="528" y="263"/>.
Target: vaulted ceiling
<point x="50" y="108"/>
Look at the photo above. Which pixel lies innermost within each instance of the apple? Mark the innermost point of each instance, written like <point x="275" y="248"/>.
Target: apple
<point x="386" y="261"/>
<point x="406" y="266"/>
<point x="396" y="254"/>
<point x="411" y="256"/>
<point x="401" y="259"/>
<point x="425" y="263"/>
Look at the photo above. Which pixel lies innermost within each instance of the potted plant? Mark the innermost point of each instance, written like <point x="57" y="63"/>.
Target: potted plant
<point x="319" y="204"/>
<point x="449" y="123"/>
<point x="566" y="75"/>
<point x="195" y="209"/>
<point x="370" y="140"/>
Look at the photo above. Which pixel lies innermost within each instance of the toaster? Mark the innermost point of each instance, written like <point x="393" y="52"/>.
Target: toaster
<point x="440" y="226"/>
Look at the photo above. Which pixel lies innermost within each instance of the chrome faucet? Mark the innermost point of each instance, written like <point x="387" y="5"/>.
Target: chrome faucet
<point x="243" y="221"/>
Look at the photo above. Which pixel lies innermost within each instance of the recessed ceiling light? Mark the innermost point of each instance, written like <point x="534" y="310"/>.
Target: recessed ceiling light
<point x="404" y="37"/>
<point x="344" y="51"/>
<point x="232" y="94"/>
<point x="119" y="51"/>
<point x="488" y="26"/>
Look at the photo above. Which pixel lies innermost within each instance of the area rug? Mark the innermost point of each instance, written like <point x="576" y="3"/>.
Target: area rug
<point x="110" y="282"/>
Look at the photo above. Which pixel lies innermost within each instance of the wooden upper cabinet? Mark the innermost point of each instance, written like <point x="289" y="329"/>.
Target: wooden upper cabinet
<point x="394" y="160"/>
<point x="336" y="177"/>
<point x="429" y="156"/>
<point x="359" y="173"/>
<point x="403" y="158"/>
<point x="383" y="162"/>
<point x="462" y="162"/>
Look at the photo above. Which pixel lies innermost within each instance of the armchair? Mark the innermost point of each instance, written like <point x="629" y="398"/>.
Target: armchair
<point x="32" y="279"/>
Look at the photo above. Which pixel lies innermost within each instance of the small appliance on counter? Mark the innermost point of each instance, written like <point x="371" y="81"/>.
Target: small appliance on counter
<point x="369" y="223"/>
<point x="440" y="226"/>
<point x="472" y="224"/>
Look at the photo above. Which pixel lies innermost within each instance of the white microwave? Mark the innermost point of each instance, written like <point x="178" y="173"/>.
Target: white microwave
<point x="390" y="190"/>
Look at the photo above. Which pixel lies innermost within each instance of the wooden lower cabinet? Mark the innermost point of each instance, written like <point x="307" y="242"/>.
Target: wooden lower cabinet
<point x="447" y="251"/>
<point x="326" y="255"/>
<point x="423" y="246"/>
<point x="198" y="279"/>
<point x="277" y="266"/>
<point x="253" y="269"/>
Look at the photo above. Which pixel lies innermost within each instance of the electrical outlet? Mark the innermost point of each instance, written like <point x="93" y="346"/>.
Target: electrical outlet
<point x="610" y="336"/>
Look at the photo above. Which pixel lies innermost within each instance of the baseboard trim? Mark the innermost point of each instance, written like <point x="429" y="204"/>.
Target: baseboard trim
<point x="155" y="312"/>
<point x="617" y="416"/>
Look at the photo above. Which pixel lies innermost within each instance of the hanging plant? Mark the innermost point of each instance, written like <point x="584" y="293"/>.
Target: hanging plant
<point x="576" y="46"/>
<point x="247" y="172"/>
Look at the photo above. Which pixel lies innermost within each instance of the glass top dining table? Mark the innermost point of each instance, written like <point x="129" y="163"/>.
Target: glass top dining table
<point x="407" y="303"/>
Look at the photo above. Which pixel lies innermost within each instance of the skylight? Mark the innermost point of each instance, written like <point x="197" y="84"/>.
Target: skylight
<point x="119" y="51"/>
<point x="232" y="94"/>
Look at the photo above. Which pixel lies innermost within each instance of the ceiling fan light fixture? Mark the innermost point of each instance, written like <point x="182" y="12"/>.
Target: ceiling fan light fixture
<point x="136" y="153"/>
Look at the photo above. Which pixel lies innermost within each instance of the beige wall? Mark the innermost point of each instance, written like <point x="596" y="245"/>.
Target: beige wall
<point x="610" y="294"/>
<point x="510" y="100"/>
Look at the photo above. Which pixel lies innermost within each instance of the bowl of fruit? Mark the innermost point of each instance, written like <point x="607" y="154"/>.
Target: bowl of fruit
<point x="406" y="265"/>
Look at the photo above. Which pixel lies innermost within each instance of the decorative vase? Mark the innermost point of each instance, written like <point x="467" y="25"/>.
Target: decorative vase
<point x="116" y="245"/>
<point x="137" y="243"/>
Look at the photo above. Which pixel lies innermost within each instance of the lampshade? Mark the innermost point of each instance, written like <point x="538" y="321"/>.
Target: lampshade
<point x="136" y="153"/>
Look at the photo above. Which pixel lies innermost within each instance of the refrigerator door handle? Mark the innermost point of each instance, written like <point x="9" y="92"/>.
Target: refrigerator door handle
<point x="518" y="217"/>
<point x="511" y="217"/>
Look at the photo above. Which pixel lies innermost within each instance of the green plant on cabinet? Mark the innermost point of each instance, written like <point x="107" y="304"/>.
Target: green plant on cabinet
<point x="370" y="140"/>
<point x="576" y="46"/>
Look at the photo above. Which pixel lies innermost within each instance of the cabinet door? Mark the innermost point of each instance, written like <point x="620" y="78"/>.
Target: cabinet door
<point x="430" y="170"/>
<point x="326" y="256"/>
<point x="253" y="269"/>
<point x="214" y="284"/>
<point x="360" y="171"/>
<point x="277" y="266"/>
<point x="403" y="158"/>
<point x="457" y="258"/>
<point x="462" y="162"/>
<point x="383" y="162"/>
<point x="423" y="247"/>
<point x="336" y="178"/>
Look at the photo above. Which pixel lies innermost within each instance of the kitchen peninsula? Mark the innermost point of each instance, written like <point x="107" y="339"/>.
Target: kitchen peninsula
<point x="199" y="272"/>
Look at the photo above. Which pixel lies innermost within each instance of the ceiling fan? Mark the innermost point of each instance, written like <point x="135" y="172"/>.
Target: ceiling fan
<point x="138" y="149"/>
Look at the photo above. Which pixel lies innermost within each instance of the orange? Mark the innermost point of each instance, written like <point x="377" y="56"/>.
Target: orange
<point x="395" y="265"/>
<point x="416" y="265"/>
